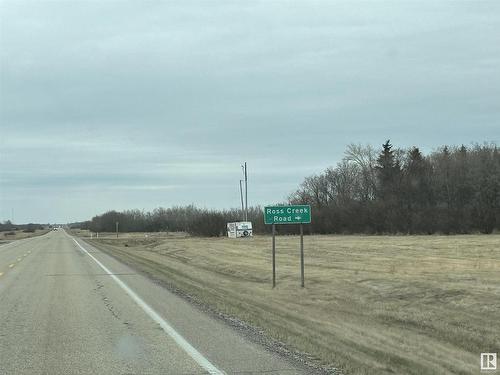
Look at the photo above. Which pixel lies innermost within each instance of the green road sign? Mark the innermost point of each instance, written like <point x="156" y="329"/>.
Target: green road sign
<point x="300" y="214"/>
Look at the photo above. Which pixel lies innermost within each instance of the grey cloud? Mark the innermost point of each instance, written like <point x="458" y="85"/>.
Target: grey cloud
<point x="162" y="101"/>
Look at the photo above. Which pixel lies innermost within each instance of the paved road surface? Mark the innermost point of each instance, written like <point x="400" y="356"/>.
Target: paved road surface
<point x="61" y="312"/>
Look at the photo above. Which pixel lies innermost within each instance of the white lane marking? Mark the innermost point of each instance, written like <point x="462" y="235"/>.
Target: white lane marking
<point x="169" y="330"/>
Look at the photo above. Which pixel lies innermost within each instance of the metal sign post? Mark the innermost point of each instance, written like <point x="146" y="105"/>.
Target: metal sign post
<point x="274" y="255"/>
<point x="301" y="255"/>
<point x="297" y="214"/>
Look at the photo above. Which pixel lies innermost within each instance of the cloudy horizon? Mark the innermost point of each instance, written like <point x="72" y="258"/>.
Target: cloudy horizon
<point x="127" y="104"/>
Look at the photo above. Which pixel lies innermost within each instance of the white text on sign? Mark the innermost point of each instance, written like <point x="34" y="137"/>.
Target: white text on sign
<point x="288" y="210"/>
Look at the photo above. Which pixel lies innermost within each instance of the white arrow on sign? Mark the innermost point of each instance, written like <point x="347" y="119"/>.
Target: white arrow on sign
<point x="298" y="217"/>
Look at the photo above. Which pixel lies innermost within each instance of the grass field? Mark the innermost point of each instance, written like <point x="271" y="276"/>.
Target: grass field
<point x="371" y="305"/>
<point x="9" y="236"/>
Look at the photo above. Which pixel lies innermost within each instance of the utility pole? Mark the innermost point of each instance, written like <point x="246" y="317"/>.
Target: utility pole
<point x="117" y="229"/>
<point x="241" y="196"/>
<point x="246" y="193"/>
<point x="245" y="175"/>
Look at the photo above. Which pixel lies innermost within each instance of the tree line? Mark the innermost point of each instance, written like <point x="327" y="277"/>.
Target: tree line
<point x="394" y="190"/>
<point x="390" y="190"/>
<point x="190" y="219"/>
<point x="8" y="226"/>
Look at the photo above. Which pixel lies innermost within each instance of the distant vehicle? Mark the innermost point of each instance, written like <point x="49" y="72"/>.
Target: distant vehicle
<point x="239" y="229"/>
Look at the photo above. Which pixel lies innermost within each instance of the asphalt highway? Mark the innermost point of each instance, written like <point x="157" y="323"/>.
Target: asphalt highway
<point x="67" y="308"/>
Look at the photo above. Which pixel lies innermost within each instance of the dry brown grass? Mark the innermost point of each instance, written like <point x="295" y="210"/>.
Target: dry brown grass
<point x="6" y="236"/>
<point x="371" y="305"/>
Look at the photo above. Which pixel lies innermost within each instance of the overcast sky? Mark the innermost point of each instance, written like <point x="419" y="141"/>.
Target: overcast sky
<point x="117" y="104"/>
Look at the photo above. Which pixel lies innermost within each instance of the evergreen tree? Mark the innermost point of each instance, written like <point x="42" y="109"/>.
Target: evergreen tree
<point x="388" y="190"/>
